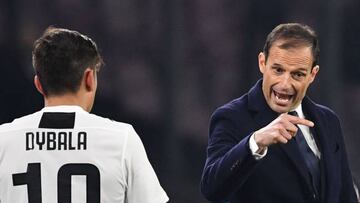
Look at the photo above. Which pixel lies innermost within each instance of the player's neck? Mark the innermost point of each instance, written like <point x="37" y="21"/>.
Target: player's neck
<point x="68" y="99"/>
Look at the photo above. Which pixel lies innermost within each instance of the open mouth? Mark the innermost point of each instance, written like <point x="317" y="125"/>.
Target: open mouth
<point x="282" y="98"/>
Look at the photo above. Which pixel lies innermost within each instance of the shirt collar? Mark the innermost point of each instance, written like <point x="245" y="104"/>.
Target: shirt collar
<point x="299" y="111"/>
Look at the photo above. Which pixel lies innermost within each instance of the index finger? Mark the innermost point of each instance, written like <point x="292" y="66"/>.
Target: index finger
<point x="296" y="120"/>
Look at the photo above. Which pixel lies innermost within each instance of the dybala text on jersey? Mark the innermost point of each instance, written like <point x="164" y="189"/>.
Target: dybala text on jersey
<point x="61" y="140"/>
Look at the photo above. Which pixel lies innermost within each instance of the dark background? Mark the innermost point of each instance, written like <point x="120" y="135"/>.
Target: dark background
<point x="170" y="63"/>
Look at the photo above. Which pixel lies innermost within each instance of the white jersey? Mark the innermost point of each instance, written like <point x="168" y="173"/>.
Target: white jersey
<point x="64" y="154"/>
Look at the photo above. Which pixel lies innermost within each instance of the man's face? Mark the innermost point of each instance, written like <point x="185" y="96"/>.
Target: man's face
<point x="287" y="74"/>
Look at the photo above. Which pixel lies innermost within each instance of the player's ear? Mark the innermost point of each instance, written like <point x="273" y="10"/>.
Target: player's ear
<point x="38" y="85"/>
<point x="90" y="79"/>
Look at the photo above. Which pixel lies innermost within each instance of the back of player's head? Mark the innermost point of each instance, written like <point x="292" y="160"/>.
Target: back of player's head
<point x="60" y="57"/>
<point x="294" y="35"/>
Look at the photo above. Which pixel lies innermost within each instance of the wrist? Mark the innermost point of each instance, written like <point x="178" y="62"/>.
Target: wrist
<point x="261" y="148"/>
<point x="256" y="151"/>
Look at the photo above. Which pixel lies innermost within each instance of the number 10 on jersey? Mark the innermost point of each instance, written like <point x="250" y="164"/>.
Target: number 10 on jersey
<point x="32" y="178"/>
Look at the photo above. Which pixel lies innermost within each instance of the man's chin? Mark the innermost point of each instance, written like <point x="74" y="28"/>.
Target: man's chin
<point x="280" y="109"/>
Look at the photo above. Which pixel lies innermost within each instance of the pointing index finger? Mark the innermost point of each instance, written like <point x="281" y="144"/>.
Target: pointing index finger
<point x="296" y="120"/>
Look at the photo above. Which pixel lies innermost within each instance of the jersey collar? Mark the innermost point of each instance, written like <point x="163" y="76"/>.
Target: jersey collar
<point x="62" y="108"/>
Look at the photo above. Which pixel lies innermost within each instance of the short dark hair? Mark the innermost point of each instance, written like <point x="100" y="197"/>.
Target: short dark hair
<point x="295" y="35"/>
<point x="60" y="57"/>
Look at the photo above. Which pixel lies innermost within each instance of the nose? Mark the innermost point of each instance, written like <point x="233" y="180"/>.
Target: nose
<point x="285" y="82"/>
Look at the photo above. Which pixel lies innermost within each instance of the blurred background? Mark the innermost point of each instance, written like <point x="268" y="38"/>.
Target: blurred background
<point x="170" y="63"/>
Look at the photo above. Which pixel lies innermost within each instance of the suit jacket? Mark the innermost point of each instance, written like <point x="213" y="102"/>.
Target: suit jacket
<point x="231" y="174"/>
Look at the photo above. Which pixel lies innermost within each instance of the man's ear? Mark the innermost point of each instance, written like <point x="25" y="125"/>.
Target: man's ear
<point x="38" y="85"/>
<point x="90" y="79"/>
<point x="261" y="60"/>
<point x="314" y="72"/>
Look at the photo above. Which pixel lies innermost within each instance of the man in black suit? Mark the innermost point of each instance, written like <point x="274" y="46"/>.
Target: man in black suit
<point x="274" y="144"/>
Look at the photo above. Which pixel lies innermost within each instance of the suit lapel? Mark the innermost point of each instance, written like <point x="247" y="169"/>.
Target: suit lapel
<point x="263" y="116"/>
<point x="320" y="132"/>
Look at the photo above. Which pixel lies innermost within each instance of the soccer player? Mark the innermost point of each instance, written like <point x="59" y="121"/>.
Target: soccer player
<point x="63" y="153"/>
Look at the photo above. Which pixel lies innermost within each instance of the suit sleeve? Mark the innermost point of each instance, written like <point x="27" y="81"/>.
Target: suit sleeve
<point x="229" y="160"/>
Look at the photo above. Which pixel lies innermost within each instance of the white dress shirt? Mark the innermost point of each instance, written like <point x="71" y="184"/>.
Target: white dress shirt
<point x="307" y="133"/>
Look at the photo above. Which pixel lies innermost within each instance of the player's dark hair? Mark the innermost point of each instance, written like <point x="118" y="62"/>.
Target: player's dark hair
<point x="294" y="35"/>
<point x="60" y="57"/>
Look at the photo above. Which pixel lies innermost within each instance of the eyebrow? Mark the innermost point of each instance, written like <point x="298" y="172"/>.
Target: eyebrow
<point x="298" y="69"/>
<point x="302" y="69"/>
<point x="276" y="64"/>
